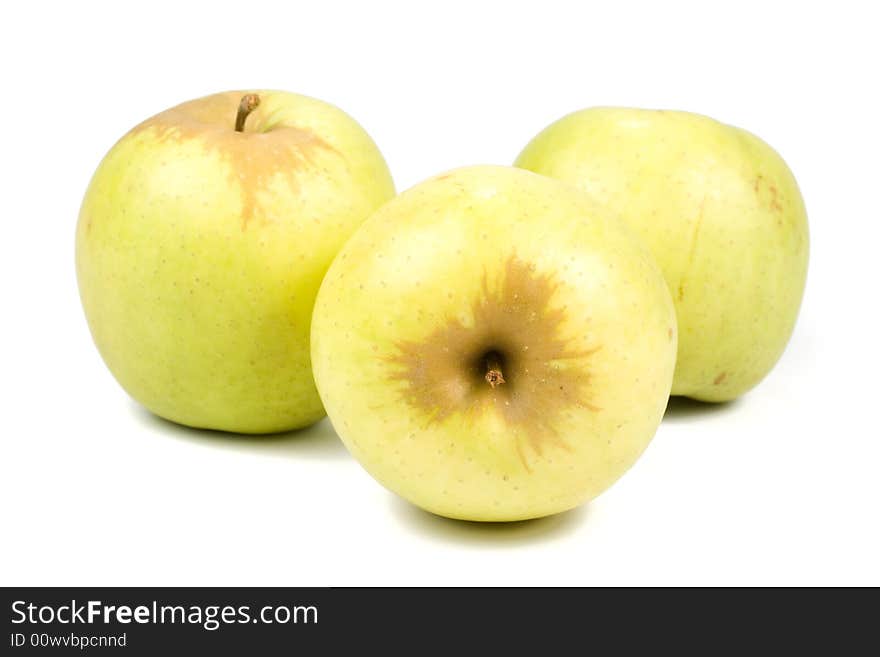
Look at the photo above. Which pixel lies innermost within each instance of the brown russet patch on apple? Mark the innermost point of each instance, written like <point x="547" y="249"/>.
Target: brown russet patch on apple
<point x="255" y="156"/>
<point x="517" y="328"/>
<point x="772" y="197"/>
<point x="720" y="379"/>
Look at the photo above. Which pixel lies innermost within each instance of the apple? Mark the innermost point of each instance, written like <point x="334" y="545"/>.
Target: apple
<point x="723" y="216"/>
<point x="492" y="345"/>
<point x="201" y="243"/>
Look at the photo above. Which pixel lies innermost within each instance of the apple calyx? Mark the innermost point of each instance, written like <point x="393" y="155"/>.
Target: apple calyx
<point x="494" y="377"/>
<point x="249" y="102"/>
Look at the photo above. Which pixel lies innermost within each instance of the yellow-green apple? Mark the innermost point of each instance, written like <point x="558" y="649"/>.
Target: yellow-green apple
<point x="491" y="345"/>
<point x="723" y="216"/>
<point x="200" y="247"/>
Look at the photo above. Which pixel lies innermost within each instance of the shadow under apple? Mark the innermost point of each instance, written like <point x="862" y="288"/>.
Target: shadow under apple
<point x="685" y="409"/>
<point x="318" y="441"/>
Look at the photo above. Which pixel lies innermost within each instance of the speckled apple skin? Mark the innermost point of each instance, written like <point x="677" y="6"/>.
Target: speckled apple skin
<point x="722" y="214"/>
<point x="481" y="260"/>
<point x="199" y="252"/>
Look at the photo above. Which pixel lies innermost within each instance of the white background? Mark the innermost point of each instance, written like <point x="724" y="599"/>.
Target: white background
<point x="780" y="487"/>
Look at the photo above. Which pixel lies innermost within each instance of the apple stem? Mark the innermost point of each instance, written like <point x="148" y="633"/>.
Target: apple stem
<point x="249" y="102"/>
<point x="494" y="377"/>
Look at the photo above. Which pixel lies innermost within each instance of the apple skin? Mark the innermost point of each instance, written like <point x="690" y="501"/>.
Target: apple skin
<point x="722" y="214"/>
<point x="199" y="252"/>
<point x="494" y="259"/>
